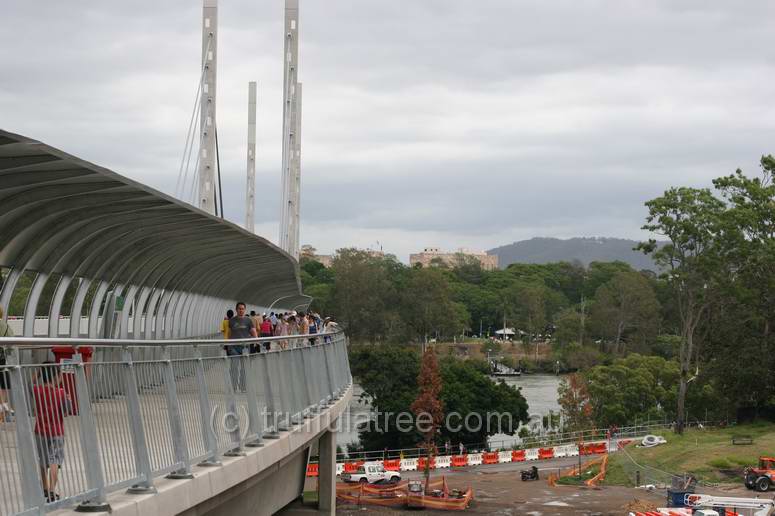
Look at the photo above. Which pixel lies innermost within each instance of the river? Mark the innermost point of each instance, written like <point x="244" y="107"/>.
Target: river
<point x="539" y="390"/>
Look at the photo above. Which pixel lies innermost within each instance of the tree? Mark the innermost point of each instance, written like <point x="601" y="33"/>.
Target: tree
<point x="532" y="312"/>
<point x="625" y="303"/>
<point x="427" y="305"/>
<point x="389" y="378"/>
<point x="427" y="407"/>
<point x="568" y="324"/>
<point x="599" y="273"/>
<point x="635" y="387"/>
<point x="746" y="313"/>
<point x="575" y="403"/>
<point x="362" y="294"/>
<point x="689" y="218"/>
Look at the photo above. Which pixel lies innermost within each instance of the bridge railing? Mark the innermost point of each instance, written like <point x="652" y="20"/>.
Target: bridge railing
<point x="143" y="409"/>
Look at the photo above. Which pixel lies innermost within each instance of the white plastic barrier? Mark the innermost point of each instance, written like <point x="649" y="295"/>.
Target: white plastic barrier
<point x="339" y="468"/>
<point x="474" y="459"/>
<point x="408" y="464"/>
<point x="531" y="454"/>
<point x="504" y="456"/>
<point x="443" y="461"/>
<point x="572" y="450"/>
<point x="560" y="451"/>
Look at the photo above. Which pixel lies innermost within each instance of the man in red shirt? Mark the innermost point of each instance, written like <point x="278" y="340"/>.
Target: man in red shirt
<point x="51" y="406"/>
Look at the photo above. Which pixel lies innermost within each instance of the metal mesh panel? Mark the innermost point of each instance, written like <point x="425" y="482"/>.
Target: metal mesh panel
<point x="112" y="422"/>
<point x="188" y="400"/>
<point x="10" y="485"/>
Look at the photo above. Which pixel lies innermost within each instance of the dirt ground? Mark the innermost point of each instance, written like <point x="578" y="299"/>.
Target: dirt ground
<point x="503" y="493"/>
<point x="498" y="490"/>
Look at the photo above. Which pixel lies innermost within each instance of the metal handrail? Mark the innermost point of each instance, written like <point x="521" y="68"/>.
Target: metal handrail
<point x="44" y="342"/>
<point x="143" y="414"/>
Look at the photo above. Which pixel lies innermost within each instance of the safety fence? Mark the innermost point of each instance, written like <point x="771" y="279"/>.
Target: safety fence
<point x="598" y="466"/>
<point x="74" y="431"/>
<point x="477" y="459"/>
<point x="549" y="440"/>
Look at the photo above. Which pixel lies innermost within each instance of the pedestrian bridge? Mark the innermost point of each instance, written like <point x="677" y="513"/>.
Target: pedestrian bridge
<point x="161" y="420"/>
<point x="201" y="434"/>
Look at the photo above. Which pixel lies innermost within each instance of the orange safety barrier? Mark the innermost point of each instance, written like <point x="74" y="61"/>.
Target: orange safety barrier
<point x="312" y="470"/>
<point x="459" y="461"/>
<point x="574" y="470"/>
<point x="545" y="453"/>
<point x="490" y="458"/>
<point x="352" y="467"/>
<point x="392" y="464"/>
<point x="600" y="476"/>
<point x="587" y="449"/>
<point x="623" y="443"/>
<point x="600" y="448"/>
<point x="421" y="463"/>
<point x="518" y="455"/>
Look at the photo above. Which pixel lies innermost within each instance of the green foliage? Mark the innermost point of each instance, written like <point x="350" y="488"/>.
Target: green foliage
<point x="388" y="375"/>
<point x="626" y="311"/>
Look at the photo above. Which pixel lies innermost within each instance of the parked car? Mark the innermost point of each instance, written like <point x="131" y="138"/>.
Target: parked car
<point x="372" y="473"/>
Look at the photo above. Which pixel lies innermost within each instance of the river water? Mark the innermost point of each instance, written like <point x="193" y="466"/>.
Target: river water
<point x="540" y="391"/>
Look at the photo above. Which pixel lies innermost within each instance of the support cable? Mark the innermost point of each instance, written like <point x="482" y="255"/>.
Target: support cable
<point x="218" y="166"/>
<point x="191" y="126"/>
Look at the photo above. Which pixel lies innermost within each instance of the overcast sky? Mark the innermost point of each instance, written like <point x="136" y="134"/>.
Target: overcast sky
<point x="445" y="123"/>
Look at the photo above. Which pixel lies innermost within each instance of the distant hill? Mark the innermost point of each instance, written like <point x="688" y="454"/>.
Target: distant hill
<point x="584" y="250"/>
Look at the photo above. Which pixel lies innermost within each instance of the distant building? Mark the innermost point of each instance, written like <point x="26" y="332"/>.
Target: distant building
<point x="433" y="255"/>
<point x="307" y="251"/>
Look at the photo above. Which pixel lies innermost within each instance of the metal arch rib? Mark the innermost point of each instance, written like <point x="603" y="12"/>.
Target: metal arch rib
<point x="60" y="214"/>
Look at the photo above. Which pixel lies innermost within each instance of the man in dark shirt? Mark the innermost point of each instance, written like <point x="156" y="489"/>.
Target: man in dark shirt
<point x="240" y="327"/>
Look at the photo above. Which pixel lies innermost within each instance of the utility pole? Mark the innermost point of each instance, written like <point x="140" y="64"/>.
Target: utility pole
<point x="207" y="156"/>
<point x="289" y="207"/>
<point x="250" y="200"/>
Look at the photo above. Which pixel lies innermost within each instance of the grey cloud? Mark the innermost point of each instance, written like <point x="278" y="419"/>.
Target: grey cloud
<point x="465" y="123"/>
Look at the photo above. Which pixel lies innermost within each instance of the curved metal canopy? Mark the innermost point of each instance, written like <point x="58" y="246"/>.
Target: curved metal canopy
<point x="100" y="234"/>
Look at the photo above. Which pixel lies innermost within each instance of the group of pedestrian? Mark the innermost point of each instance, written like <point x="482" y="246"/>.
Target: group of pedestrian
<point x="285" y="324"/>
<point x="239" y="325"/>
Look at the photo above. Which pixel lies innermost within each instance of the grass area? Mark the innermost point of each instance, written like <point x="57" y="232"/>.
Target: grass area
<point x="707" y="454"/>
<point x="579" y="480"/>
<point x="309" y="498"/>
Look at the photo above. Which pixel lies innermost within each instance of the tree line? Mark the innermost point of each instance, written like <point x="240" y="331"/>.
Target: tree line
<point x="707" y="313"/>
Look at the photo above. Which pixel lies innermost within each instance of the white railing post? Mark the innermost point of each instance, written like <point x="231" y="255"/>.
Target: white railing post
<point x="139" y="444"/>
<point x="91" y="452"/>
<point x="178" y="436"/>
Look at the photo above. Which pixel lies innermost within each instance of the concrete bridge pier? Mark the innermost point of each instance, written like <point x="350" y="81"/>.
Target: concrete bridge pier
<point x="327" y="473"/>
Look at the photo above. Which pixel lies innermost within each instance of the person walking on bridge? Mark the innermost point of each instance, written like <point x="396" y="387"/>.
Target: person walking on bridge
<point x="225" y="324"/>
<point x="266" y="331"/>
<point x="240" y="327"/>
<point x="51" y="405"/>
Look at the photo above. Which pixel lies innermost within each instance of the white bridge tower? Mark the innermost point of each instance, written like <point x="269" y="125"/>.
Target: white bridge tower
<point x="207" y="156"/>
<point x="291" y="163"/>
